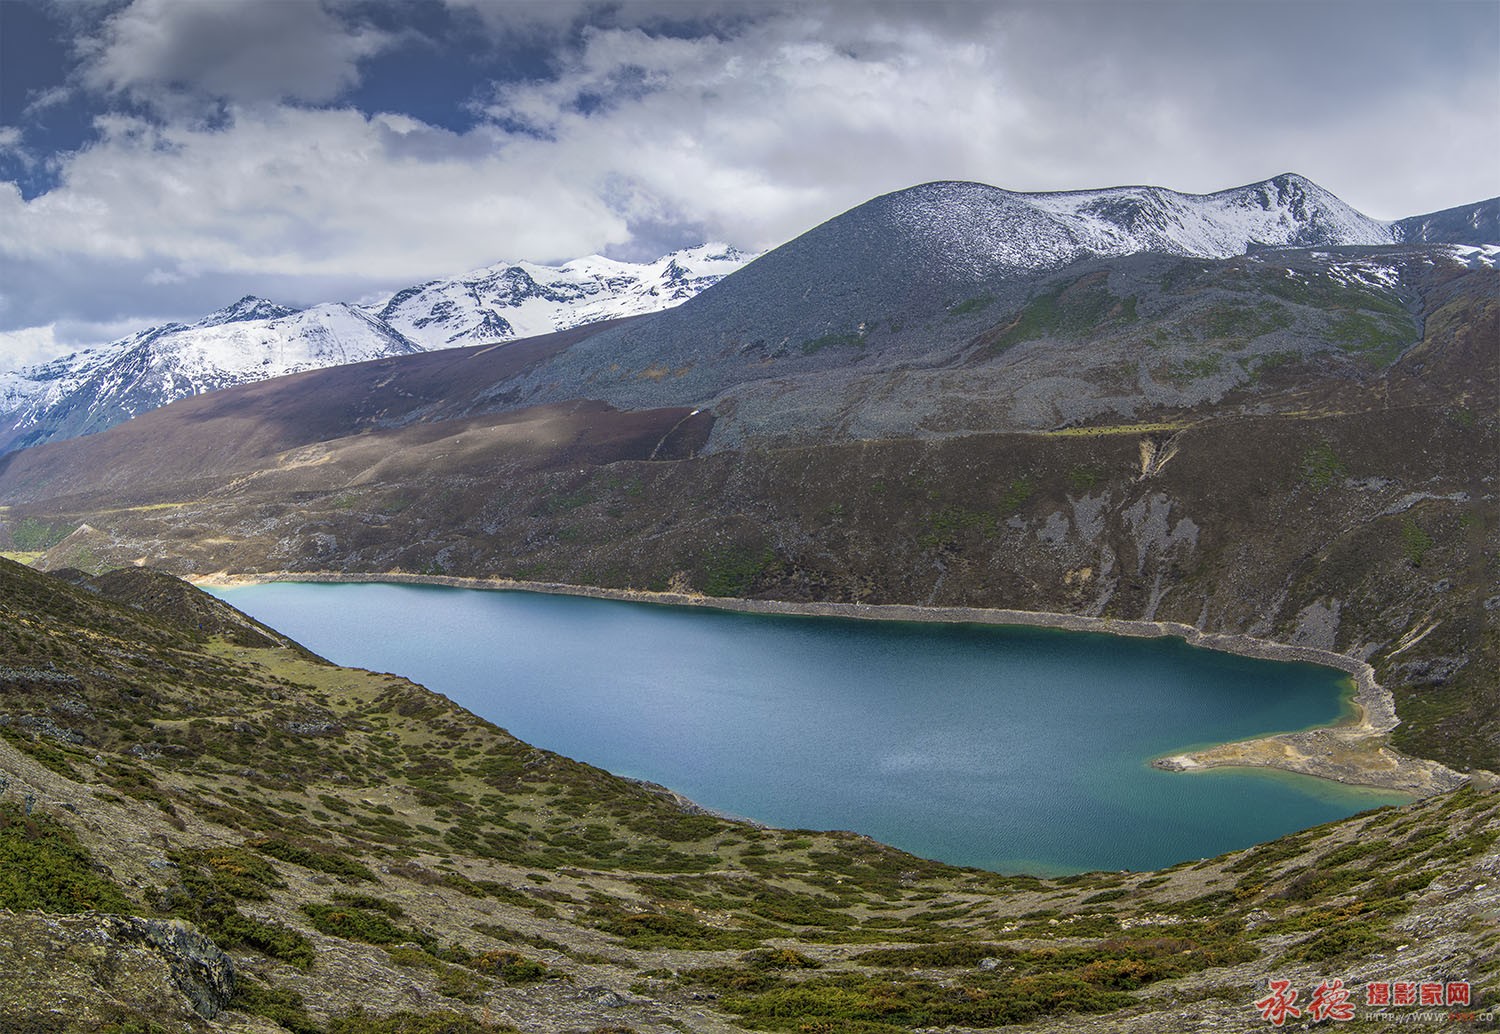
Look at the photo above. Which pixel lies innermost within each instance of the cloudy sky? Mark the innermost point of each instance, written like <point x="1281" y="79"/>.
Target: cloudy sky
<point x="161" y="158"/>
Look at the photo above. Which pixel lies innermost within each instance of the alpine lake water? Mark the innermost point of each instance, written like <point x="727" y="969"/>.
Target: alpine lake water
<point x="1006" y="748"/>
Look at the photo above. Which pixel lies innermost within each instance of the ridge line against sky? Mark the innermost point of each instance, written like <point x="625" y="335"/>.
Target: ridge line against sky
<point x="160" y="158"/>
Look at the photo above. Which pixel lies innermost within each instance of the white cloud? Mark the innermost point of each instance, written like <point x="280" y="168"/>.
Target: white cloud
<point x="757" y="136"/>
<point x="13" y="146"/>
<point x="760" y="136"/>
<point x="242" y="51"/>
<point x="26" y="346"/>
<point x="304" y="192"/>
<point x="31" y="346"/>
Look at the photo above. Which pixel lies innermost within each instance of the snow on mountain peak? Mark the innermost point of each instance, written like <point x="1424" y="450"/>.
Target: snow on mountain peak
<point x="522" y="299"/>
<point x="945" y="231"/>
<point x="255" y="338"/>
<point x="989" y="230"/>
<point x="249" y="307"/>
<point x="251" y="340"/>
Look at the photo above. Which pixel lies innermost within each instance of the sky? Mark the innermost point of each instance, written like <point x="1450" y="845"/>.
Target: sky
<point x="161" y="158"/>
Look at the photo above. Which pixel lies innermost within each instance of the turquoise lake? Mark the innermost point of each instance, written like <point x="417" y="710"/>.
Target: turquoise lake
<point x="1014" y="749"/>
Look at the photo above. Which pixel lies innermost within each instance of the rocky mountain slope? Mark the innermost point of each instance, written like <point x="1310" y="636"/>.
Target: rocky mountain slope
<point x="1472" y="225"/>
<point x="255" y="339"/>
<point x="209" y="829"/>
<point x="914" y="279"/>
<point x="1096" y="340"/>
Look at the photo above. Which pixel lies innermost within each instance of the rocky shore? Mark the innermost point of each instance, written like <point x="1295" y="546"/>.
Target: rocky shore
<point x="1354" y="751"/>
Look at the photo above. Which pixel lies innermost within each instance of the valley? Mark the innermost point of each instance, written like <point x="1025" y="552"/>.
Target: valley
<point x="993" y="746"/>
<point x="1254" y="419"/>
<point x="355" y="853"/>
<point x="1353" y="750"/>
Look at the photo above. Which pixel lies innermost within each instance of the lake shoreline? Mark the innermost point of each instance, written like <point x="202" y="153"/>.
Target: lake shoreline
<point x="1354" y="751"/>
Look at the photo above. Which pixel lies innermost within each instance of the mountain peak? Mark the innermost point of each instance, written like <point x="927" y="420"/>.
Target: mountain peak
<point x="255" y="338"/>
<point x="1289" y="179"/>
<point x="1288" y="185"/>
<point x="981" y="231"/>
<point x="250" y="307"/>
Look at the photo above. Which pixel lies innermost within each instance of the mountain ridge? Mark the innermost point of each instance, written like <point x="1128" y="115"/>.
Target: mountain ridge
<point x="913" y="277"/>
<point x="255" y="338"/>
<point x="508" y="300"/>
<point x="959" y="243"/>
<point x="90" y="391"/>
<point x="1285" y="211"/>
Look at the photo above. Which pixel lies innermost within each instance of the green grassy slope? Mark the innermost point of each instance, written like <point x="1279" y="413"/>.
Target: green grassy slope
<point x="368" y="856"/>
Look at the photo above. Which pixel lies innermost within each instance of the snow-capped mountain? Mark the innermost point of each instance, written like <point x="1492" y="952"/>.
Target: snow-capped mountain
<point x="897" y="258"/>
<point x="255" y="339"/>
<point x="914" y="275"/>
<point x="523" y="299"/>
<point x="989" y="231"/>
<point x="251" y="340"/>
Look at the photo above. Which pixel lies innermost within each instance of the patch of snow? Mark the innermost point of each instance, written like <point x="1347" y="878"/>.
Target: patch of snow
<point x="1411" y="499"/>
<point x="1484" y="256"/>
<point x="1364" y="273"/>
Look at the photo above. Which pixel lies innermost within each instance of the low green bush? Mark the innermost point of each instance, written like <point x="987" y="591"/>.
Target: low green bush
<point x="44" y="867"/>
